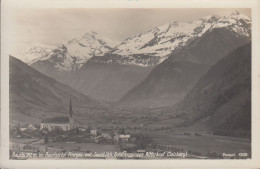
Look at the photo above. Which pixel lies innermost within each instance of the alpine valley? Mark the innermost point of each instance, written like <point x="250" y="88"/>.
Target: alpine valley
<point x="180" y="87"/>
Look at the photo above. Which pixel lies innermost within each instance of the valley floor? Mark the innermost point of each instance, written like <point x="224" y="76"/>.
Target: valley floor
<point x="157" y="132"/>
<point x="203" y="143"/>
<point x="192" y="143"/>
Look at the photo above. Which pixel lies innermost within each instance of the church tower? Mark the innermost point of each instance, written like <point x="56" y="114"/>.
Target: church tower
<point x="71" y="120"/>
<point x="70" y="111"/>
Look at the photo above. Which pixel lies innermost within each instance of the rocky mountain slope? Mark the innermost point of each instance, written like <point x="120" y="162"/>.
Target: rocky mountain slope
<point x="223" y="95"/>
<point x="172" y="79"/>
<point x="34" y="96"/>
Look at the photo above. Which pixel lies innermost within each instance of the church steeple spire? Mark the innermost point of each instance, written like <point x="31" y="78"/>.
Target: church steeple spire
<point x="70" y="111"/>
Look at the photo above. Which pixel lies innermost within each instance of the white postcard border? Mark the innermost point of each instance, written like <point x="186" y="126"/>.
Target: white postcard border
<point x="8" y="6"/>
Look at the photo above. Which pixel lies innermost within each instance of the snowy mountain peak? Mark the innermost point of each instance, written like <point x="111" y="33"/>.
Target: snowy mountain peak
<point x="213" y="18"/>
<point x="154" y="46"/>
<point x="73" y="53"/>
<point x="62" y="48"/>
<point x="34" y="53"/>
<point x="35" y="49"/>
<point x="91" y="33"/>
<point x="88" y="36"/>
<point x="174" y="24"/>
<point x="93" y="38"/>
<point x="235" y="13"/>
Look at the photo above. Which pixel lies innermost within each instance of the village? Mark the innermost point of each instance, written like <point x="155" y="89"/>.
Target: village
<point x="90" y="140"/>
<point x="62" y="134"/>
<point x="32" y="138"/>
<point x="67" y="135"/>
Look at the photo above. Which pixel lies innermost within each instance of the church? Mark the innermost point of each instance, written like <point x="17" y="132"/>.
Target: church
<point x="64" y="123"/>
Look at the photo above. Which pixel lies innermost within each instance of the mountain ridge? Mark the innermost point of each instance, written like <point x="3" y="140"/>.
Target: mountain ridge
<point x="201" y="53"/>
<point x="145" y="49"/>
<point x="34" y="95"/>
<point x="161" y="41"/>
<point x="223" y="95"/>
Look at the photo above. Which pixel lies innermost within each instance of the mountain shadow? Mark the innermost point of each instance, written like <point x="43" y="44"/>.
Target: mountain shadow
<point x="34" y="95"/>
<point x="222" y="97"/>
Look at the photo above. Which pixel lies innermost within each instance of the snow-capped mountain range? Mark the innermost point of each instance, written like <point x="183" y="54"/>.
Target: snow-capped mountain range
<point x="72" y="54"/>
<point x="163" y="40"/>
<point x="146" y="49"/>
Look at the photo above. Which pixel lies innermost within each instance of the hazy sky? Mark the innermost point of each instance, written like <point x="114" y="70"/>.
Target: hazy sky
<point x="51" y="27"/>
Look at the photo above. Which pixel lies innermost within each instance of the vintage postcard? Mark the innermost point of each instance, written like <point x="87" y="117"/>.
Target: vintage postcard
<point x="130" y="84"/>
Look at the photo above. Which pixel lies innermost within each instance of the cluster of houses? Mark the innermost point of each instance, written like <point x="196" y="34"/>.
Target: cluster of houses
<point x="67" y="123"/>
<point x="103" y="137"/>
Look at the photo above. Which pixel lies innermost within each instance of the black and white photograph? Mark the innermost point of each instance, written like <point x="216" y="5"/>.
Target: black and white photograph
<point x="130" y="84"/>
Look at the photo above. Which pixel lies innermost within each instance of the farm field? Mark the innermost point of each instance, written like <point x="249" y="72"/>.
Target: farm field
<point x="205" y="143"/>
<point x="63" y="146"/>
<point x="84" y="147"/>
